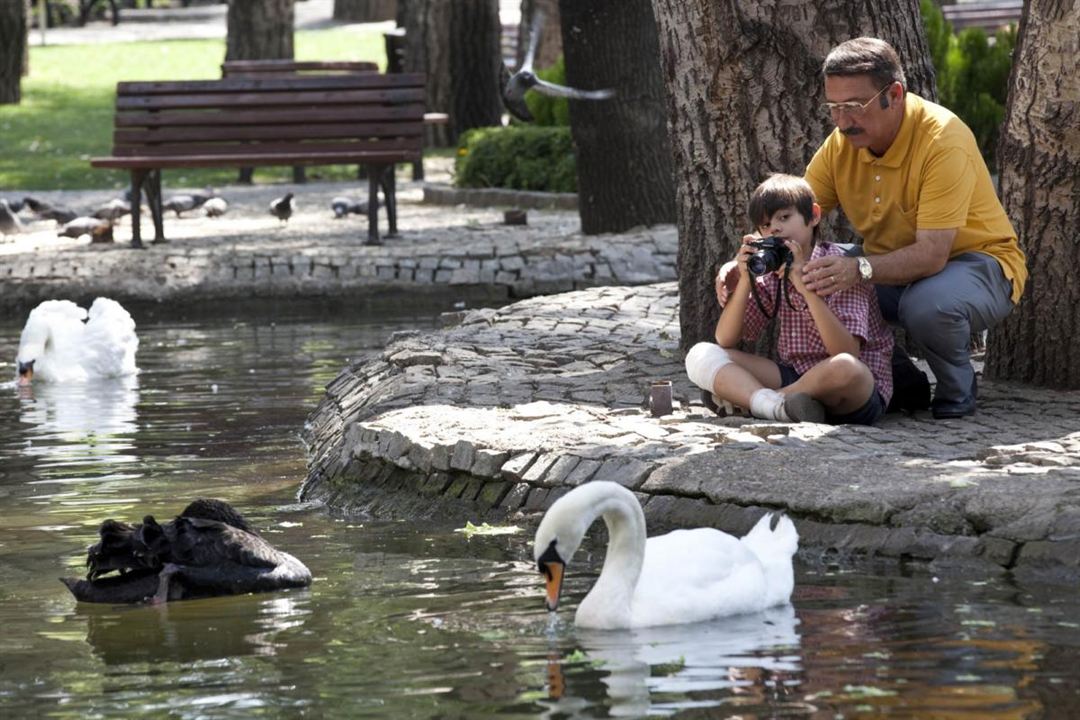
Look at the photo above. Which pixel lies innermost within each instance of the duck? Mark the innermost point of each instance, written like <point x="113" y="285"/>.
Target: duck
<point x="685" y="576"/>
<point x="208" y="550"/>
<point x="62" y="342"/>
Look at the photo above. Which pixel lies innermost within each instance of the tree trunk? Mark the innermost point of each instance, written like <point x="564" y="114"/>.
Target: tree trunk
<point x="260" y="30"/>
<point x="745" y="88"/>
<point x="623" y="152"/>
<point x="456" y="44"/>
<point x="362" y="11"/>
<point x="12" y="48"/>
<point x="1039" y="166"/>
<point x="550" y="47"/>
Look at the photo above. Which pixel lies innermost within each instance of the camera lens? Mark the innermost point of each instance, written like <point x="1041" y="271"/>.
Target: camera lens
<point x="758" y="263"/>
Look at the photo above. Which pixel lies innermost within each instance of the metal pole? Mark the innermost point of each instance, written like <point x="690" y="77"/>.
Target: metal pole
<point x="43" y="15"/>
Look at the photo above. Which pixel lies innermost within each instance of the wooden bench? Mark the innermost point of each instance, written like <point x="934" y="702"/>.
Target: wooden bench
<point x="370" y="119"/>
<point x="990" y="16"/>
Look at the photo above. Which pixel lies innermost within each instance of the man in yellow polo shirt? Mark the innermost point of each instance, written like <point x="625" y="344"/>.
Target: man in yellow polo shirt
<point x="936" y="241"/>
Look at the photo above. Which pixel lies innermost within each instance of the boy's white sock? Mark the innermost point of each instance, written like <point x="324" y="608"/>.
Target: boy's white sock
<point x="703" y="362"/>
<point x="768" y="404"/>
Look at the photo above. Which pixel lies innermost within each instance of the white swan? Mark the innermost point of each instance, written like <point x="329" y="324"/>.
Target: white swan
<point x="62" y="342"/>
<point x="682" y="577"/>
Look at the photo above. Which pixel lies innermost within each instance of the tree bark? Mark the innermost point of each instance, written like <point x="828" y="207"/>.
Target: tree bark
<point x="623" y="152"/>
<point x="12" y="48"/>
<point x="745" y="88"/>
<point x="550" y="47"/>
<point x="1039" y="171"/>
<point x="456" y="44"/>
<point x="260" y="30"/>
<point x="362" y="11"/>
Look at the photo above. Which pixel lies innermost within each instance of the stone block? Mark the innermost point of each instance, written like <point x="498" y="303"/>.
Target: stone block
<point x="628" y="472"/>
<point x="514" y="469"/>
<point x="488" y="463"/>
<point x="515" y="498"/>
<point x="493" y="493"/>
<point x="463" y="456"/>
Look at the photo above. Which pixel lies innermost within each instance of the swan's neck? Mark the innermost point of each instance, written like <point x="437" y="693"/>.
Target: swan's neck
<point x="609" y="603"/>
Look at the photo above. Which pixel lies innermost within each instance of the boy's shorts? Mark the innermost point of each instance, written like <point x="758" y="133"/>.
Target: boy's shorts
<point x="870" y="412"/>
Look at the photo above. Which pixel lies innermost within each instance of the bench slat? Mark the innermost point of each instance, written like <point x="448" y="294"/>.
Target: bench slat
<point x="240" y="159"/>
<point x="268" y="148"/>
<point x="267" y="132"/>
<point x="272" y="116"/>
<point x="231" y="85"/>
<point x="401" y="96"/>
<point x="231" y="68"/>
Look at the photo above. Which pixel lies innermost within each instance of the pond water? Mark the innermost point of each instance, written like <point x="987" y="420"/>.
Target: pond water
<point x="419" y="621"/>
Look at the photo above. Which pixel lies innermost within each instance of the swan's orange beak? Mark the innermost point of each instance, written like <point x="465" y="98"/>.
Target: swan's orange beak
<point x="26" y="372"/>
<point x="554" y="573"/>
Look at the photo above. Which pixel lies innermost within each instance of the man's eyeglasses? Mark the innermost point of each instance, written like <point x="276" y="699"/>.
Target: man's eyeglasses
<point x="852" y="108"/>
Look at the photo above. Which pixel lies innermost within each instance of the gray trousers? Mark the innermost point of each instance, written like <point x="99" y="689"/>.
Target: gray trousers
<point x="940" y="312"/>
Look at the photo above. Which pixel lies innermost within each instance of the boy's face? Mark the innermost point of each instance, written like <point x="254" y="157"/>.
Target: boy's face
<point x="789" y="224"/>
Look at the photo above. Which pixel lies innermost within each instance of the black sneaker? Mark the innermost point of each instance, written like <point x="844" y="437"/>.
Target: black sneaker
<point x="800" y="407"/>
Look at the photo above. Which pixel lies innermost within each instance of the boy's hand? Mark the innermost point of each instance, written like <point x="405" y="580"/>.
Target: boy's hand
<point x="727" y="279"/>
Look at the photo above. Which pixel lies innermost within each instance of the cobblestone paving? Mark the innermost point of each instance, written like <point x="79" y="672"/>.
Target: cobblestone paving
<point x="508" y="409"/>
<point x="250" y="253"/>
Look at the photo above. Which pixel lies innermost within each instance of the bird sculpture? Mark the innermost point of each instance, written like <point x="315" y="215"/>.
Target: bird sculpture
<point x="49" y="211"/>
<point x="515" y="86"/>
<point x="113" y="210"/>
<point x="343" y="206"/>
<point x="682" y="577"/>
<point x="9" y="221"/>
<point x="215" y="207"/>
<point x="206" y="551"/>
<point x="62" y="342"/>
<point x="282" y="207"/>
<point x="100" y="231"/>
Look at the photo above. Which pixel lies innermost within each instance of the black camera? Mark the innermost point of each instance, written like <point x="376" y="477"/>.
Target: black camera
<point x="771" y="255"/>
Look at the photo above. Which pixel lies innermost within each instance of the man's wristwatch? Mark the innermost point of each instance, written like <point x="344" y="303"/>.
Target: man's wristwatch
<point x="866" y="270"/>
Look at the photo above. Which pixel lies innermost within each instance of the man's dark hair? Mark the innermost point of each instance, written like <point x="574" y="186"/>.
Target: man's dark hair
<point x="865" y="56"/>
<point x="781" y="191"/>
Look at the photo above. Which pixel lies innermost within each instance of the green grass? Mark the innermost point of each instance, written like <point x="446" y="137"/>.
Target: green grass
<point x="66" y="112"/>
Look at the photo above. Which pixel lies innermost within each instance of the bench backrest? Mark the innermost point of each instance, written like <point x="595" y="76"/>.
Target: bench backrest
<point x="272" y="68"/>
<point x="354" y="115"/>
<point x="990" y="16"/>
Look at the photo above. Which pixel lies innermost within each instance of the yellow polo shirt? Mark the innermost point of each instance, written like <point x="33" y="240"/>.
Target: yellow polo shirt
<point x="932" y="177"/>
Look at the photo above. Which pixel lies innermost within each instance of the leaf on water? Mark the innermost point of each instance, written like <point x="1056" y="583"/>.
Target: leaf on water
<point x="864" y="691"/>
<point x="486" y="529"/>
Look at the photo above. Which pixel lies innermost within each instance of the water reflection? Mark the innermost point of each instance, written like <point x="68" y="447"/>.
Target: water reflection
<point x="72" y="422"/>
<point x="233" y="626"/>
<point x="650" y="671"/>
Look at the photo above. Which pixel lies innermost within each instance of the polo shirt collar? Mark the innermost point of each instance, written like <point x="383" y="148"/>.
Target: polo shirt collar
<point x="896" y="153"/>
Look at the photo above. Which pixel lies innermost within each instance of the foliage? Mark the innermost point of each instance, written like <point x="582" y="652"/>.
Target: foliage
<point x="547" y="110"/>
<point x="66" y="113"/>
<point x="972" y="74"/>
<point x="521" y="157"/>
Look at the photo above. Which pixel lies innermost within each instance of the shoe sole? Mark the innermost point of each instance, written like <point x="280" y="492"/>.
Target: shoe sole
<point x="800" y="407"/>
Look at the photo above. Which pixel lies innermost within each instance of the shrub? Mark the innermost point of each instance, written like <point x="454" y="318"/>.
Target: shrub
<point x="972" y="74"/>
<point x="520" y="157"/>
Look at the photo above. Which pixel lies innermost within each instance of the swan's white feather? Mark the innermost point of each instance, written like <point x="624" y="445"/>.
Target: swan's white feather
<point x="67" y="343"/>
<point x="681" y="577"/>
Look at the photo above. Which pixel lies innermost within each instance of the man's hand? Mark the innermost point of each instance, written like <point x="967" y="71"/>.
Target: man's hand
<point x="831" y="274"/>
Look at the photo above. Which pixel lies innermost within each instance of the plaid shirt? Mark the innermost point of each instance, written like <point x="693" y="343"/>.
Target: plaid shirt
<point x="800" y="344"/>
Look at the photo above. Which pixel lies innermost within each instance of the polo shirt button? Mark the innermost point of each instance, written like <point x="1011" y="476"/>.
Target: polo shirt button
<point x="877" y="199"/>
<point x="877" y="178"/>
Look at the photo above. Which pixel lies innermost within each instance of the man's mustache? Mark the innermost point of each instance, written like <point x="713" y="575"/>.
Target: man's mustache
<point x="852" y="131"/>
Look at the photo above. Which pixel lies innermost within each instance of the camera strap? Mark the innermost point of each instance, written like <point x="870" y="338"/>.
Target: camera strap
<point x="781" y="290"/>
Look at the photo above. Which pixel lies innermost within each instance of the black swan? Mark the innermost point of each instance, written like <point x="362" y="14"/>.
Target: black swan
<point x="208" y="550"/>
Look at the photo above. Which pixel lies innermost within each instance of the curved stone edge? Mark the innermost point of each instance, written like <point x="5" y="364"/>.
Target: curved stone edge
<point x="443" y="194"/>
<point x="893" y="492"/>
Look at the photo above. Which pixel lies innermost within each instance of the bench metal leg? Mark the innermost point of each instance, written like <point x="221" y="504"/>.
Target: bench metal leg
<point x="418" y="170"/>
<point x="389" y="186"/>
<point x="374" y="172"/>
<point x="153" y="200"/>
<point x="299" y="174"/>
<point x="137" y="178"/>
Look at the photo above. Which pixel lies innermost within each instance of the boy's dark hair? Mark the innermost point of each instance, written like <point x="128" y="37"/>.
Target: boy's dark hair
<point x="865" y="56"/>
<point x="781" y="191"/>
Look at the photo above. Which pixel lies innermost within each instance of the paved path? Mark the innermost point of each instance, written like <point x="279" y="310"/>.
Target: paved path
<point x="452" y="251"/>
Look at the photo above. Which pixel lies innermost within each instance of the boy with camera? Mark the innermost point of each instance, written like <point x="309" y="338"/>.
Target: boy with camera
<point x="834" y="352"/>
